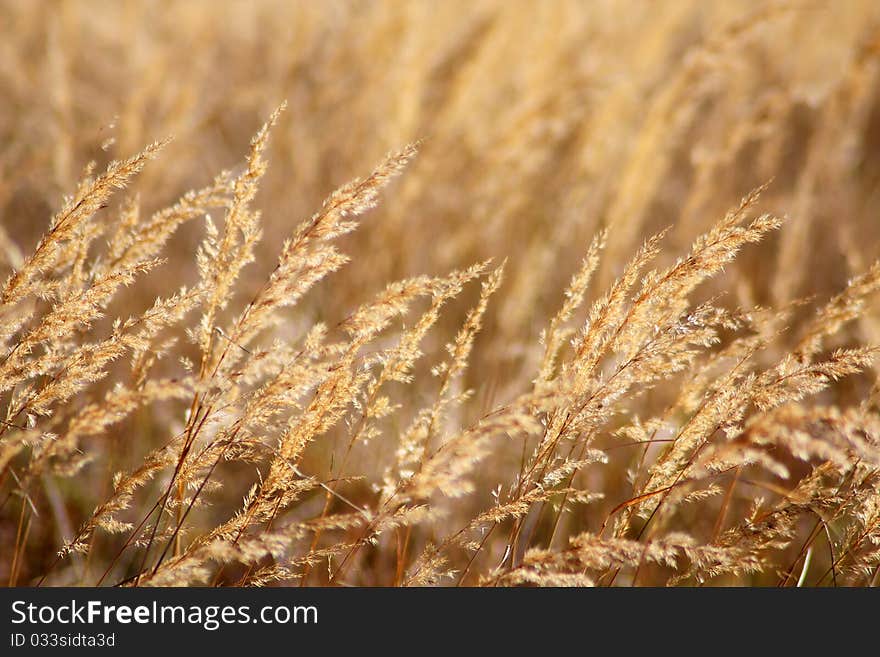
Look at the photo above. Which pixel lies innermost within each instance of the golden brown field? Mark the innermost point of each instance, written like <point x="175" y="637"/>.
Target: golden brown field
<point x="440" y="293"/>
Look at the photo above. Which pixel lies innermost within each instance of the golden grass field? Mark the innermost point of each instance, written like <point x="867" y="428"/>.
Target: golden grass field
<point x="440" y="293"/>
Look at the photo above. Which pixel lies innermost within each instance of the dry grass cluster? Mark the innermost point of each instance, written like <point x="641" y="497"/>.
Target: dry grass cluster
<point x="610" y="318"/>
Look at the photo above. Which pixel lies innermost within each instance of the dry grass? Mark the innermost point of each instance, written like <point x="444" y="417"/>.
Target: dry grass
<point x="610" y="318"/>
